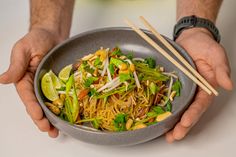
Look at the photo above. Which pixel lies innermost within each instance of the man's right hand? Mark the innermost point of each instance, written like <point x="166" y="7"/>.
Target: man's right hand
<point x="25" y="57"/>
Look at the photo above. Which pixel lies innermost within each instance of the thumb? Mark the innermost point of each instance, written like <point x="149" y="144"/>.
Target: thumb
<point x="223" y="76"/>
<point x="222" y="70"/>
<point x="19" y="62"/>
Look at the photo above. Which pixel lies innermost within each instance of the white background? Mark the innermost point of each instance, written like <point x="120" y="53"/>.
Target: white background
<point x="214" y="135"/>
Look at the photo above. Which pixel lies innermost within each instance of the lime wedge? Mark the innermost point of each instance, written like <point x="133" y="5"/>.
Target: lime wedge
<point x="55" y="80"/>
<point x="48" y="88"/>
<point x="64" y="74"/>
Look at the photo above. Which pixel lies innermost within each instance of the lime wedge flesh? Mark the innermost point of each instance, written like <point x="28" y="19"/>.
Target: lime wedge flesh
<point x="64" y="74"/>
<point x="48" y="88"/>
<point x="55" y="80"/>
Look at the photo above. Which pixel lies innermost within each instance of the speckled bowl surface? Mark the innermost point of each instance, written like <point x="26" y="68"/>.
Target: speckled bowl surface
<point x="85" y="43"/>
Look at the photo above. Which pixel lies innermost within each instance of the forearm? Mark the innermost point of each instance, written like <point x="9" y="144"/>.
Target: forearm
<point x="202" y="8"/>
<point x="52" y="15"/>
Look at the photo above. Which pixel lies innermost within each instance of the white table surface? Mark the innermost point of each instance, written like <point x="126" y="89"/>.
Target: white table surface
<point x="214" y="135"/>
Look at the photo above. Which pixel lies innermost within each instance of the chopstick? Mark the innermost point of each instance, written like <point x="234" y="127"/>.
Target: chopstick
<point x="174" y="51"/>
<point x="165" y="54"/>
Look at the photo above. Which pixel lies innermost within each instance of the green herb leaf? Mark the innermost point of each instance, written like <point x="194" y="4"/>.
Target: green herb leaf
<point x="168" y="106"/>
<point x="119" y="122"/>
<point x="90" y="81"/>
<point x="116" y="62"/>
<point x="152" y="114"/>
<point x="153" y="88"/>
<point x="124" y="77"/>
<point x="111" y="69"/>
<point x="88" y="69"/>
<point x="117" y="52"/>
<point x="177" y="87"/>
<point x="130" y="56"/>
<point x="97" y="62"/>
<point x="83" y="64"/>
<point x="151" y="123"/>
<point x="62" y="89"/>
<point x="92" y="92"/>
<point x="158" y="109"/>
<point x="96" y="123"/>
<point x="140" y="76"/>
<point x="151" y="62"/>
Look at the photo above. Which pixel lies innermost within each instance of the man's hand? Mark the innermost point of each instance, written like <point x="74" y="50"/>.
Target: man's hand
<point x="25" y="57"/>
<point x="211" y="62"/>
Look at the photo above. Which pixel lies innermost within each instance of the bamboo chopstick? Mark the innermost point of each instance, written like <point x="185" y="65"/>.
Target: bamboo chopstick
<point x="174" y="51"/>
<point x="165" y="54"/>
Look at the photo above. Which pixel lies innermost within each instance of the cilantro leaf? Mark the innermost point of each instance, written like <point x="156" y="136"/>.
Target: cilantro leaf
<point x="111" y="69"/>
<point x="130" y="56"/>
<point x="90" y="81"/>
<point x="158" y="110"/>
<point x="151" y="62"/>
<point x="97" y="62"/>
<point x="119" y="122"/>
<point x="117" y="51"/>
<point x="168" y="106"/>
<point x="92" y="92"/>
<point x="96" y="123"/>
<point x="124" y="77"/>
<point x="154" y="88"/>
<point x="140" y="76"/>
<point x="151" y="114"/>
<point x="88" y="69"/>
<point x="177" y="87"/>
<point x="117" y="62"/>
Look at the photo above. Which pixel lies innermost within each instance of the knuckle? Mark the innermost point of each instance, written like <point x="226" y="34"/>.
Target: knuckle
<point x="34" y="112"/>
<point x="43" y="125"/>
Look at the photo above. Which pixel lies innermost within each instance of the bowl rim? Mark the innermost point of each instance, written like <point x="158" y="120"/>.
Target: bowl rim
<point x="78" y="127"/>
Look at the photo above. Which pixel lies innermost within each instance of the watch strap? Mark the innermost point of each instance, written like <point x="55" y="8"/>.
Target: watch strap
<point x="193" y="21"/>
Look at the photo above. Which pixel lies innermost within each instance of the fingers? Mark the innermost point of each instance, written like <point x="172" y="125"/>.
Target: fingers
<point x="180" y="131"/>
<point x="45" y="126"/>
<point x="19" y="62"/>
<point x="26" y="92"/>
<point x="53" y="132"/>
<point x="221" y="69"/>
<point x="169" y="137"/>
<point x="190" y="117"/>
<point x="196" y="109"/>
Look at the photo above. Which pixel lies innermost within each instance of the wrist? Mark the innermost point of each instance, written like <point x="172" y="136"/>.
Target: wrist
<point x="55" y="37"/>
<point x="53" y="33"/>
<point x="195" y="30"/>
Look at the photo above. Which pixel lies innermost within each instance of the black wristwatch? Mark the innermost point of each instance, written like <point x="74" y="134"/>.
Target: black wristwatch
<point x="193" y="21"/>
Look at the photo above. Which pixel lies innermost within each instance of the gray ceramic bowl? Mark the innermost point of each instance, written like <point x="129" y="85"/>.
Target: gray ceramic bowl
<point x="84" y="43"/>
